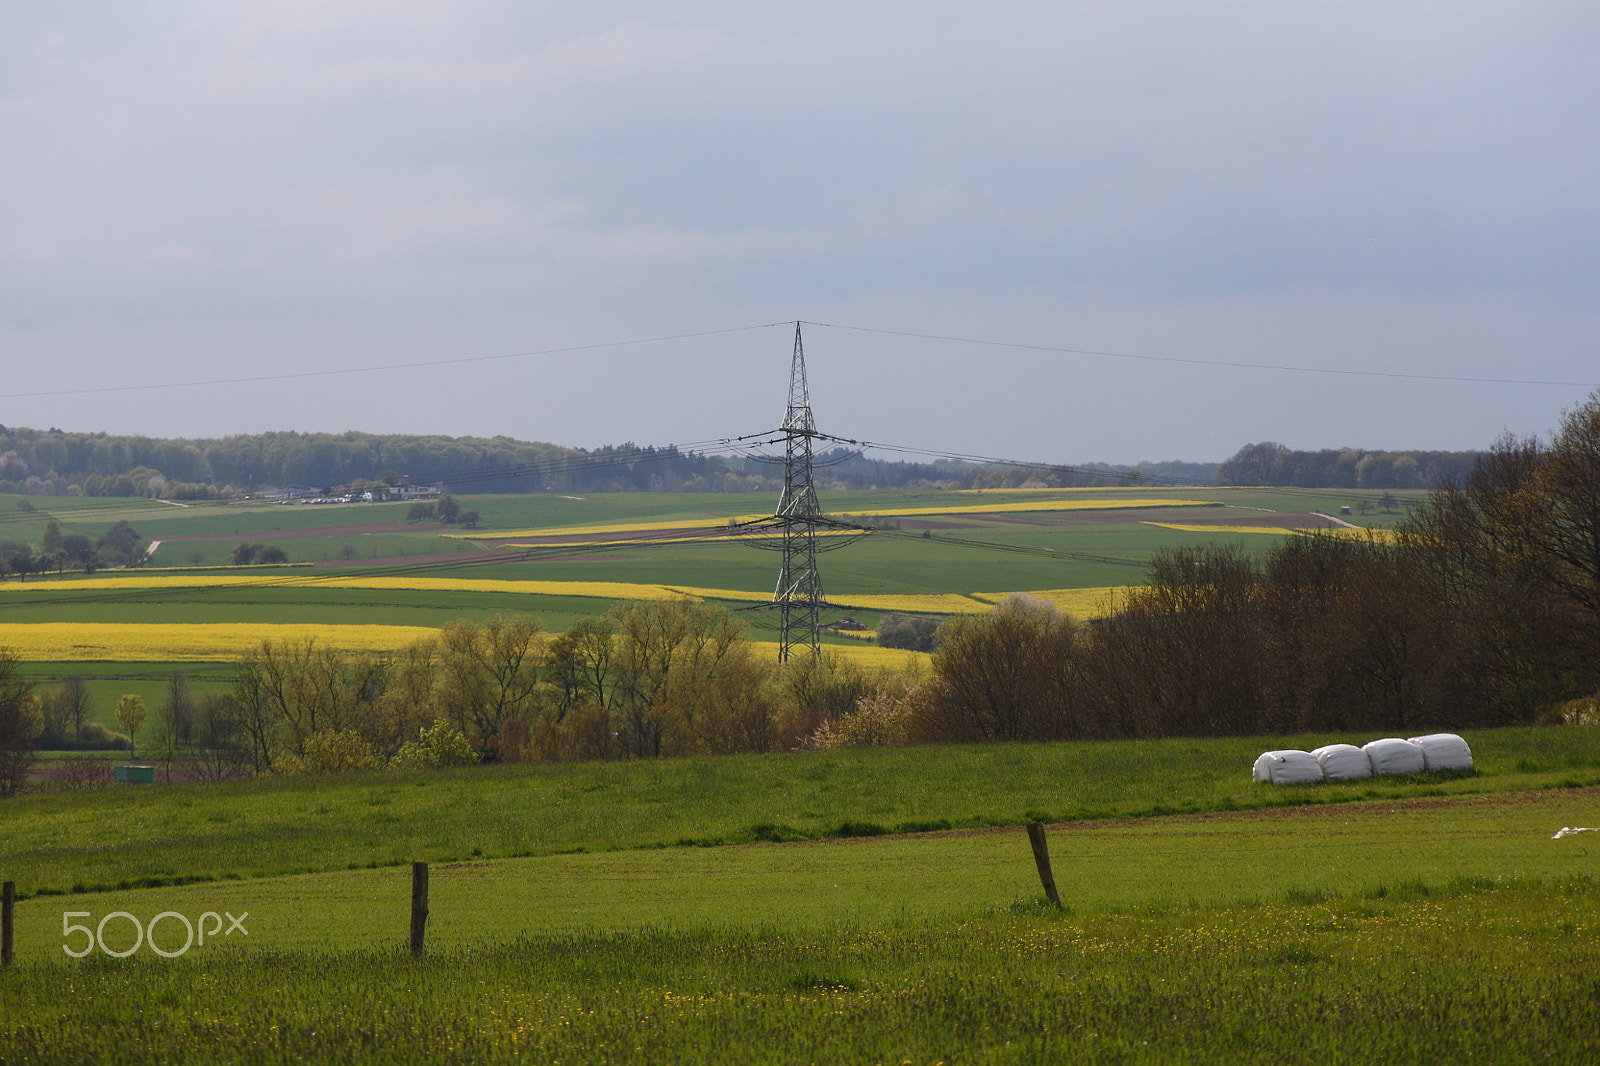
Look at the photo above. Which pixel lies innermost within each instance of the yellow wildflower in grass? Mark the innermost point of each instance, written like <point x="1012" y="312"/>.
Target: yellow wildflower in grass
<point x="188" y="642"/>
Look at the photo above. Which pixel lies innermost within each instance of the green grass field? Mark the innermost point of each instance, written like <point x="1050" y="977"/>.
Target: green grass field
<point x="283" y="825"/>
<point x="1072" y="550"/>
<point x="840" y="906"/>
<point x="583" y="913"/>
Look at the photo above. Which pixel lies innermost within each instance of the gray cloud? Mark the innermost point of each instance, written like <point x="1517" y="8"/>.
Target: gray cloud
<point x="194" y="189"/>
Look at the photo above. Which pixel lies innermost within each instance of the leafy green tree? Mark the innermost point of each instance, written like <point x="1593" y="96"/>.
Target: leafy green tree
<point x="255" y="553"/>
<point x="338" y="751"/>
<point x="907" y="631"/>
<point x="1007" y="675"/>
<point x="20" y="724"/>
<point x="121" y="545"/>
<point x="18" y="558"/>
<point x="578" y="664"/>
<point x="441" y="744"/>
<point x="489" y="673"/>
<point x="130" y="713"/>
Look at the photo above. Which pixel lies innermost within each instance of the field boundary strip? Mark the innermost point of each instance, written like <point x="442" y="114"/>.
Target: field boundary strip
<point x="1084" y="602"/>
<point x="1020" y="506"/>
<point x="1384" y="536"/>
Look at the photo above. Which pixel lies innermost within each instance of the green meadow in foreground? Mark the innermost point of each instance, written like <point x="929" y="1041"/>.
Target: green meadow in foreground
<point x="1302" y="854"/>
<point x="1496" y="974"/>
<point x="171" y="833"/>
<point x="1412" y="920"/>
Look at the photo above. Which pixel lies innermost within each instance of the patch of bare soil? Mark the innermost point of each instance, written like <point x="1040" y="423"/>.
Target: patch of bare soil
<point x="597" y="538"/>
<point x="1345" y="810"/>
<point x="441" y="559"/>
<point x="925" y="523"/>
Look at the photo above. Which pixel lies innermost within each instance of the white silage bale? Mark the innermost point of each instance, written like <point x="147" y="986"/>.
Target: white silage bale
<point x="1261" y="772"/>
<point x="1286" y="767"/>
<point x="1444" y="751"/>
<point x="1342" y="762"/>
<point x="1392" y="756"/>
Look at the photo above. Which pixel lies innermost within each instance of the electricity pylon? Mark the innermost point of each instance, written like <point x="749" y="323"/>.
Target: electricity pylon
<point x="798" y="595"/>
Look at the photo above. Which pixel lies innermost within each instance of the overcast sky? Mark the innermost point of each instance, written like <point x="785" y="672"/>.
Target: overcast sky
<point x="196" y="191"/>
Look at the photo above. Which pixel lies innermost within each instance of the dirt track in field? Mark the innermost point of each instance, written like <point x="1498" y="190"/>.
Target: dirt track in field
<point x="1353" y="808"/>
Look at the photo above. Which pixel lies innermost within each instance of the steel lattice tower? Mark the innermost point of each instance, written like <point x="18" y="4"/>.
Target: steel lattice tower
<point x="798" y="596"/>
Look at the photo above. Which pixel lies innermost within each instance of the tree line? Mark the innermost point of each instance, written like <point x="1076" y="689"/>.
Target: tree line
<point x="1481" y="609"/>
<point x="58" y="463"/>
<point x="1269" y="463"/>
<point x="58" y="551"/>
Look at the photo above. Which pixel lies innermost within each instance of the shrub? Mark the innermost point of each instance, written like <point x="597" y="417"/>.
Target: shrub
<point x="907" y="631"/>
<point x="337" y="752"/>
<point x="80" y="773"/>
<point x="442" y="744"/>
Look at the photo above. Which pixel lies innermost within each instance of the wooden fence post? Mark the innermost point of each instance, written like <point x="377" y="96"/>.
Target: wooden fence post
<point x="1041" y="859"/>
<point x="419" y="906"/>
<point x="8" y="904"/>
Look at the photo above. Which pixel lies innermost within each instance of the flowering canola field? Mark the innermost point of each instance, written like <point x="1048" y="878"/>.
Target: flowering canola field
<point x="188" y="641"/>
<point x="226" y="642"/>
<point x="1382" y="536"/>
<point x="1081" y="602"/>
<point x="1089" y="504"/>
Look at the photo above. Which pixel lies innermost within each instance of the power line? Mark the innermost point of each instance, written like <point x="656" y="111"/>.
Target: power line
<point x="1206" y="362"/>
<point x="912" y="334"/>
<point x="380" y="368"/>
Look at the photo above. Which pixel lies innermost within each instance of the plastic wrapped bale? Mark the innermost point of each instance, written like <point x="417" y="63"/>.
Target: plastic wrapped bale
<point x="1391" y="756"/>
<point x="1444" y="751"/>
<point x="1342" y="762"/>
<point x="1286" y="768"/>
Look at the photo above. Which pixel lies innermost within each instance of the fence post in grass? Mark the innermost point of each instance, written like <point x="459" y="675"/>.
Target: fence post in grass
<point x="419" y="906"/>
<point x="1041" y="858"/>
<point x="8" y="904"/>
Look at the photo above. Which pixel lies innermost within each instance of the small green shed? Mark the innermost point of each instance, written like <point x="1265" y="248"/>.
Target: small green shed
<point x="136" y="775"/>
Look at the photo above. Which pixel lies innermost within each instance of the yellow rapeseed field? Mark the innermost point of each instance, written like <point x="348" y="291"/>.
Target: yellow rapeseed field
<point x="1276" y="531"/>
<point x="1037" y="505"/>
<point x="1080" y="603"/>
<point x="1385" y="536"/>
<point x="187" y="642"/>
<point x="930" y="603"/>
<point x="227" y="641"/>
<point x="1088" y="504"/>
<point x="612" y="590"/>
<point x="870" y="655"/>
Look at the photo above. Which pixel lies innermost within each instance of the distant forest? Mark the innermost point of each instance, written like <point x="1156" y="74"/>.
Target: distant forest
<point x="57" y="463"/>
